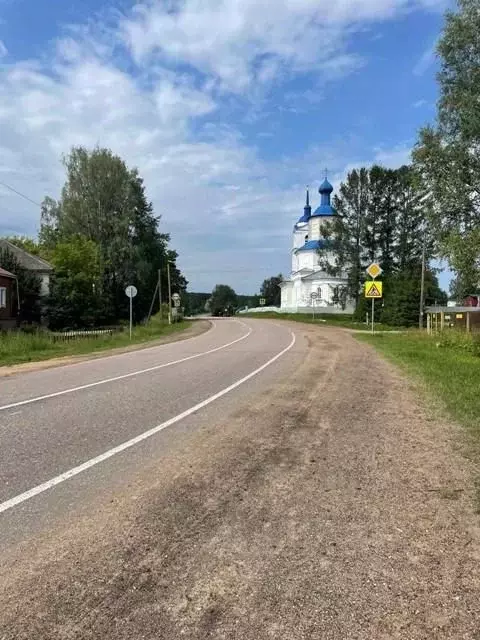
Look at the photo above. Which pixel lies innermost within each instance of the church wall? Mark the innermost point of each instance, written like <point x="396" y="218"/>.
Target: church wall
<point x="315" y="226"/>
<point x="299" y="237"/>
<point x="307" y="260"/>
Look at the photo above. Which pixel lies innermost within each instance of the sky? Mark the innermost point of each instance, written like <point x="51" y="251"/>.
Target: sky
<point x="228" y="108"/>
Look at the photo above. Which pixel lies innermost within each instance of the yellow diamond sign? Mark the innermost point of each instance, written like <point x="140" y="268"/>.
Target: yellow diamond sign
<point x="373" y="289"/>
<point x="374" y="270"/>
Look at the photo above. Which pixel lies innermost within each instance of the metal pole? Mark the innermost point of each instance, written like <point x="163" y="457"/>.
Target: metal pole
<point x="131" y="316"/>
<point x="169" y="294"/>
<point x="373" y="316"/>
<point x="160" y="293"/>
<point x="422" y="287"/>
<point x="151" y="305"/>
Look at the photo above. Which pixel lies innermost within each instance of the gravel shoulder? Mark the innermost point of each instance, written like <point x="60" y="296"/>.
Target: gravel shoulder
<point x="332" y="507"/>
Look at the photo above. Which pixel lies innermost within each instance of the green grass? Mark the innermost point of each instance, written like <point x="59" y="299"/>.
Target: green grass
<point x="447" y="365"/>
<point x="344" y="321"/>
<point x="18" y="347"/>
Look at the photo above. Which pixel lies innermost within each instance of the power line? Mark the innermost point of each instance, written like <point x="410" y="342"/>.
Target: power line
<point x="22" y="195"/>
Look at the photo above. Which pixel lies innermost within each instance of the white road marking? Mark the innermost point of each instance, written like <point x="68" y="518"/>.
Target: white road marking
<point x="55" y="394"/>
<point x="45" y="486"/>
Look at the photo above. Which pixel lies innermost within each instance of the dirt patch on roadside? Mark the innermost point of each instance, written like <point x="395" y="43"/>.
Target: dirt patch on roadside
<point x="332" y="507"/>
<point x="197" y="328"/>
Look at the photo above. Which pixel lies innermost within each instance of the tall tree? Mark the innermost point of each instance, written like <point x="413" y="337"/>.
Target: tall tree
<point x="75" y="299"/>
<point x="346" y="232"/>
<point x="389" y="227"/>
<point x="104" y="202"/>
<point x="447" y="154"/>
<point x="270" y="290"/>
<point x="223" y="300"/>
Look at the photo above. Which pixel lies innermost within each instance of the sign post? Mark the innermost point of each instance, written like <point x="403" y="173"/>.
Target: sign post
<point x="313" y="297"/>
<point x="176" y="304"/>
<point x="374" y="288"/>
<point x="131" y="292"/>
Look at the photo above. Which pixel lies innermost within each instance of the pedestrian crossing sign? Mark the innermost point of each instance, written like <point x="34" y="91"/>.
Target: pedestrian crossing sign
<point x="374" y="289"/>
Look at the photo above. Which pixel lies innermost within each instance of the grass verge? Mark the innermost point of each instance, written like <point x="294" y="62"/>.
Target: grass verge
<point x="16" y="348"/>
<point x="343" y="321"/>
<point x="449" y="372"/>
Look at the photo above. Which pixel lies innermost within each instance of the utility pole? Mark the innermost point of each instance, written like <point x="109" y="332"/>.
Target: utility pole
<point x="169" y="294"/>
<point x="160" y="293"/>
<point x="422" y="287"/>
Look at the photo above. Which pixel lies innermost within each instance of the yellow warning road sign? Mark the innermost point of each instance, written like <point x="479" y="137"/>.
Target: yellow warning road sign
<point x="374" y="289"/>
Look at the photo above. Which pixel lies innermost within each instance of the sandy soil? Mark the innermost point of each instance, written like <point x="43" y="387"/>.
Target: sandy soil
<point x="333" y="507"/>
<point x="197" y="327"/>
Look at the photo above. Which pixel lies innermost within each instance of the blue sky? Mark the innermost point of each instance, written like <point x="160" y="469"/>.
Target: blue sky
<point x="227" y="107"/>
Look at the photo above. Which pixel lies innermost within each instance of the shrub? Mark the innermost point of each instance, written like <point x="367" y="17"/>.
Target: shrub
<point x="460" y="341"/>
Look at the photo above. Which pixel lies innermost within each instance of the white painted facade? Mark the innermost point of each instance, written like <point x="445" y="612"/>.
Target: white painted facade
<point x="307" y="276"/>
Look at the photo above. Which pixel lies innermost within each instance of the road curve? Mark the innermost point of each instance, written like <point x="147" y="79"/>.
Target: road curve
<point x="74" y="420"/>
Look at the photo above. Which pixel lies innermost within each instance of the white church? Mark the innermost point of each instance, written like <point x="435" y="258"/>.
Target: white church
<point x="309" y="286"/>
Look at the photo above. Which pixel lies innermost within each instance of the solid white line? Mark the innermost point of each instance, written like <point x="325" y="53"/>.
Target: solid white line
<point x="13" y="502"/>
<point x="125" y="375"/>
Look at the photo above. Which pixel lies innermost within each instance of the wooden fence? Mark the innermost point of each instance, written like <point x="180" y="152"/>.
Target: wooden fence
<point x="65" y="336"/>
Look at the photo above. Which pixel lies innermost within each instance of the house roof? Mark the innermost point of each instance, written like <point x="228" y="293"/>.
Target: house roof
<point x="27" y="260"/>
<point x="6" y="274"/>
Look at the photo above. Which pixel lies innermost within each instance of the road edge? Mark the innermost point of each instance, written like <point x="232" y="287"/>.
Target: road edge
<point x="187" y="334"/>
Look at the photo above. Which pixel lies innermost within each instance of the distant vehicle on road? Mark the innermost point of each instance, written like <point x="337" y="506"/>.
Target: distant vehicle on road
<point x="226" y="312"/>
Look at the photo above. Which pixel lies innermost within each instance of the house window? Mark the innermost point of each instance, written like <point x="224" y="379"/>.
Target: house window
<point x="3" y="298"/>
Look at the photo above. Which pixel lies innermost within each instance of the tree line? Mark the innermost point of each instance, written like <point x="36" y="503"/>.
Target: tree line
<point x="391" y="216"/>
<point x="447" y="154"/>
<point x="101" y="235"/>
<point x="381" y="218"/>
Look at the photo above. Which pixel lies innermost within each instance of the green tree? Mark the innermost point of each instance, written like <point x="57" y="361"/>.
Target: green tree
<point x="270" y="290"/>
<point x="29" y="286"/>
<point x="402" y="295"/>
<point x="75" y="298"/>
<point x="382" y="216"/>
<point x="104" y="202"/>
<point x="346" y="232"/>
<point x="447" y="154"/>
<point x="223" y="300"/>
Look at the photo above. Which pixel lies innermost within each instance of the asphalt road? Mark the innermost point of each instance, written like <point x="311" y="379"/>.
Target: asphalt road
<point x="316" y="499"/>
<point x="54" y="421"/>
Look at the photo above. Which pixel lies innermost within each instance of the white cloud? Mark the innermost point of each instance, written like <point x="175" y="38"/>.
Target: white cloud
<point x="224" y="206"/>
<point x="426" y="60"/>
<point x="419" y="103"/>
<point x="3" y="49"/>
<point x="242" y="42"/>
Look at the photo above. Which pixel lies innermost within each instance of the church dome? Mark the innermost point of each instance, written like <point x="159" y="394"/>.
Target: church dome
<point x="325" y="187"/>
<point x="325" y="209"/>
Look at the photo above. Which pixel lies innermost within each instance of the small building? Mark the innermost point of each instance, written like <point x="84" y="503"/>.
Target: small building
<point x="465" y="317"/>
<point x="34" y="264"/>
<point x="472" y="300"/>
<point x="8" y="315"/>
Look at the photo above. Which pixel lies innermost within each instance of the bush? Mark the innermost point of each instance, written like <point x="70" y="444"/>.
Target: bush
<point x="460" y="341"/>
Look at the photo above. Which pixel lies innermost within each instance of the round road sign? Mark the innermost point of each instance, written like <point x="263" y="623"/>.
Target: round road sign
<point x="131" y="291"/>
